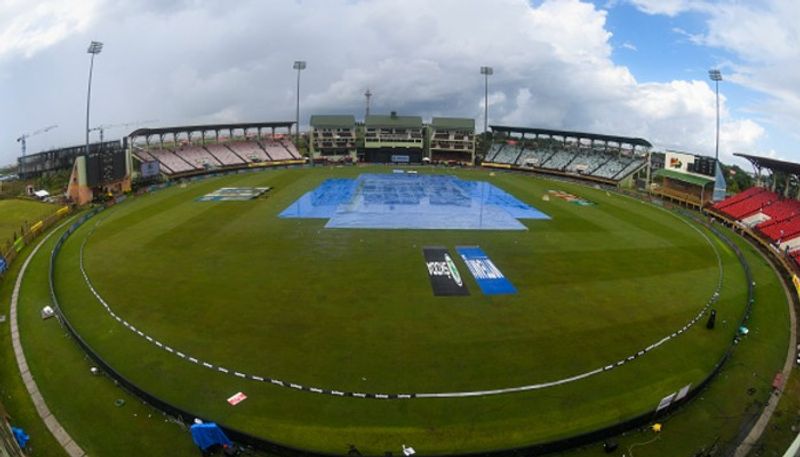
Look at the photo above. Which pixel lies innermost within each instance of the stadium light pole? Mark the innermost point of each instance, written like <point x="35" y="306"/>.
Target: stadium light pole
<point x="95" y="47"/>
<point x="716" y="76"/>
<point x="299" y="65"/>
<point x="486" y="71"/>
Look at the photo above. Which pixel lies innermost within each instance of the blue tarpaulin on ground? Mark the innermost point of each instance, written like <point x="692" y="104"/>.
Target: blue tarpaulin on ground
<point x="489" y="278"/>
<point x="412" y="201"/>
<point x="21" y="437"/>
<point x="207" y="435"/>
<point x="3" y="264"/>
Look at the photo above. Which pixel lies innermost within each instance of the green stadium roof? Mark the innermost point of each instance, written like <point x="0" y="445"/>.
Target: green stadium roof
<point x="687" y="178"/>
<point x="375" y="120"/>
<point x="333" y="121"/>
<point x="453" y="123"/>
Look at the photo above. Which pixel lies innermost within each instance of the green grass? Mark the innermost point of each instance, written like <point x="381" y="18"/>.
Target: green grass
<point x="83" y="403"/>
<point x="16" y="212"/>
<point x="13" y="394"/>
<point x="723" y="413"/>
<point x="352" y="309"/>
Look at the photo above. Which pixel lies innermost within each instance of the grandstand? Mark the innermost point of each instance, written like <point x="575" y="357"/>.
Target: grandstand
<point x="603" y="158"/>
<point x="179" y="153"/>
<point x="452" y="140"/>
<point x="333" y="138"/>
<point x="769" y="213"/>
<point x="393" y="138"/>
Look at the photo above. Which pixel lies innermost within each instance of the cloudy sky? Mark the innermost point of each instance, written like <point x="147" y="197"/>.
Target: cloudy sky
<point x="626" y="67"/>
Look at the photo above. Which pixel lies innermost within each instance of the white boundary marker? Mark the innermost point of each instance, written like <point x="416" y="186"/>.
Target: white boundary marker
<point x="50" y="421"/>
<point x="477" y="393"/>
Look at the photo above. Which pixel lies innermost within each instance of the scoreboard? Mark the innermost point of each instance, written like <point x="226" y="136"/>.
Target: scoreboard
<point x="703" y="166"/>
<point x="690" y="163"/>
<point x="105" y="165"/>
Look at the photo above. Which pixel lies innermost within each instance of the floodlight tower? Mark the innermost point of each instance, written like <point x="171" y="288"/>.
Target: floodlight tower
<point x="95" y="47"/>
<point x="716" y="76"/>
<point x="486" y="72"/>
<point x="299" y="65"/>
<point x="368" y="95"/>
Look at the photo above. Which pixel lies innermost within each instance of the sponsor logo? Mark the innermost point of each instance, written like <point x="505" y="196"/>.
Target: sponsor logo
<point x="445" y="268"/>
<point x="483" y="269"/>
<point x="443" y="273"/>
<point x="489" y="278"/>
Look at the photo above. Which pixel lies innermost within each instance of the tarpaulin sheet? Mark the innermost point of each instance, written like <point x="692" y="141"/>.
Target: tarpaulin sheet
<point x="207" y="435"/>
<point x="21" y="437"/>
<point x="413" y="201"/>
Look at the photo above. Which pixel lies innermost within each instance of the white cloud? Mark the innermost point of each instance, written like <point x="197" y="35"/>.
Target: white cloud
<point x="201" y="61"/>
<point x="763" y="37"/>
<point x="28" y="27"/>
<point x="667" y="7"/>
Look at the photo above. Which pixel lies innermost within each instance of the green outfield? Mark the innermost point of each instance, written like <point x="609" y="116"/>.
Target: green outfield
<point x="15" y="212"/>
<point x="232" y="284"/>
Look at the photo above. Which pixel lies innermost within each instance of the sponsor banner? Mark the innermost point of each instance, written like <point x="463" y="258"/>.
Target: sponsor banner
<point x="400" y="158"/>
<point x="3" y="264"/>
<point x="150" y="169"/>
<point x="566" y="196"/>
<point x="64" y="210"/>
<point x="486" y="274"/>
<point x="665" y="402"/>
<point x="228" y="194"/>
<point x="37" y="226"/>
<point x="443" y="273"/>
<point x="237" y="398"/>
<point x="19" y="243"/>
<point x="683" y="392"/>
<point x="796" y="282"/>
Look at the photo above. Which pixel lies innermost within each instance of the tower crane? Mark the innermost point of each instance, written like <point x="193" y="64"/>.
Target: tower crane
<point x="24" y="137"/>
<point x="104" y="127"/>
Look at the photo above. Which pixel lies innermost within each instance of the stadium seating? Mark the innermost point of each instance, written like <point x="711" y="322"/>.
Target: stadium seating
<point x="559" y="160"/>
<point x="739" y="197"/>
<point x="197" y="156"/>
<point x="782" y="230"/>
<point x="612" y="167"/>
<point x="277" y="151"/>
<point x="782" y="209"/>
<point x="172" y="162"/>
<point x="292" y="149"/>
<point x="585" y="162"/>
<point x="508" y="154"/>
<point x="248" y="150"/>
<point x="556" y="156"/>
<point x="493" y="151"/>
<point x="634" y="165"/>
<point x="750" y="205"/>
<point x="225" y="156"/>
<point x="533" y="157"/>
<point x="143" y="155"/>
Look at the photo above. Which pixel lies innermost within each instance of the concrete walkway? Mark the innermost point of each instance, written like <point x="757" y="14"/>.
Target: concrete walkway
<point x="50" y="421"/>
<point x="755" y="433"/>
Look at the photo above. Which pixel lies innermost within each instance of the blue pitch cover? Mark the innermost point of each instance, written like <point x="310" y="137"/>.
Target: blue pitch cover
<point x="489" y="278"/>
